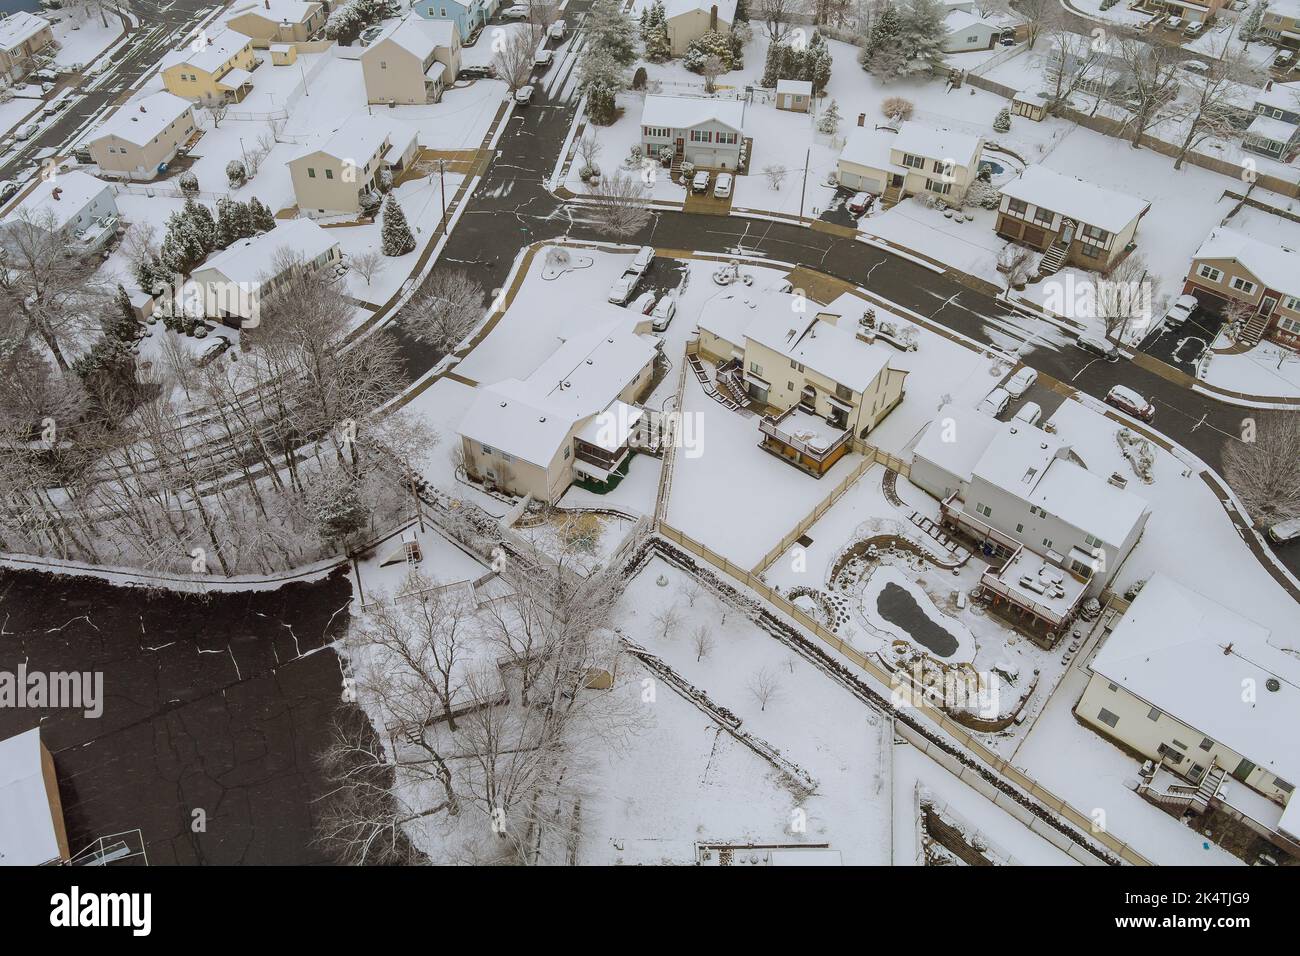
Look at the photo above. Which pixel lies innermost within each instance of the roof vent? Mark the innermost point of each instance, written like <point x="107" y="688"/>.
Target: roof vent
<point x="1043" y="445"/>
<point x="1273" y="684"/>
<point x="503" y="404"/>
<point x="589" y="362"/>
<point x="542" y="419"/>
<point x="1118" y="480"/>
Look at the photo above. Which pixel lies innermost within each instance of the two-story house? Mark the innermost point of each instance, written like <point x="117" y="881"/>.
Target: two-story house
<point x="917" y="159"/>
<point x="969" y="31"/>
<point x="22" y="36"/>
<point x="75" y="204"/>
<point x="1231" y="265"/>
<point x="821" y="380"/>
<point x="142" y="135"/>
<point x="706" y="132"/>
<point x="266" y="22"/>
<point x="1072" y="221"/>
<point x="412" y="61"/>
<point x="1275" y="129"/>
<point x="1281" y="23"/>
<point x="688" y="20"/>
<point x="330" y="179"/>
<point x="215" y="67"/>
<point x="468" y="15"/>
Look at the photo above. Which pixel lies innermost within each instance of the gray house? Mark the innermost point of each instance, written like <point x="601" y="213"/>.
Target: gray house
<point x="1275" y="129"/>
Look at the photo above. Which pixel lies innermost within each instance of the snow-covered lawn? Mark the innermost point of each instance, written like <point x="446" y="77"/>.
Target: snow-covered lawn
<point x="17" y="110"/>
<point x="1267" y="369"/>
<point x="81" y="42"/>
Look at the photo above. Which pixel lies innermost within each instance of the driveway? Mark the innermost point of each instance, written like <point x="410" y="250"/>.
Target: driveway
<point x="1182" y="347"/>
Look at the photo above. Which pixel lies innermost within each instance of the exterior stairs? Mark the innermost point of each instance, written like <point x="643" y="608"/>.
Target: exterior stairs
<point x="698" y="368"/>
<point x="1052" y="259"/>
<point x="1208" y="789"/>
<point x="1254" y="330"/>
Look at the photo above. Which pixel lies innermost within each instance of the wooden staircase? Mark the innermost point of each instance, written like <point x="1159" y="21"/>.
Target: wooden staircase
<point x="1052" y="259"/>
<point x="698" y="368"/>
<point x="1208" y="789"/>
<point x="1254" y="330"/>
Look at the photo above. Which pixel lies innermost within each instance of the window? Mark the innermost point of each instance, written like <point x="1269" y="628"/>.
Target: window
<point x="1112" y="687"/>
<point x="913" y="162"/>
<point x="1288" y="325"/>
<point x="844" y="393"/>
<point x="311" y="173"/>
<point x="985" y="510"/>
<point x="790" y="386"/>
<point x="701" y="136"/>
<point x="1091" y="542"/>
<point x="657" y="132"/>
<point x="795" y="365"/>
<point x="1211" y="273"/>
<point x="1043" y="216"/>
<point x="1019" y="528"/>
<point x="1291" y="304"/>
<point x="1180" y="745"/>
<point x="935" y="186"/>
<point x="1107" y="718"/>
<point x="1169" y="753"/>
<point x="1282" y="785"/>
<point x="1242" y="285"/>
<point x="1154" y="714"/>
<point x="727" y="138"/>
<point x="943" y="168"/>
<point x="1091" y="252"/>
<point x="329" y="174"/>
<point x="1035" y="510"/>
<point x="1017" y="207"/>
<point x="383" y="64"/>
<point x="1098" y="236"/>
<point x="1207" y="743"/>
<point x="756" y="368"/>
<point x="566" y="451"/>
<point x="487" y="449"/>
<point x="1047" y="542"/>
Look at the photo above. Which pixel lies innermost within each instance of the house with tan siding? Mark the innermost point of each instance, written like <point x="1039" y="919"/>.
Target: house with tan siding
<point x="412" y="61"/>
<point x="142" y="135"/>
<point x="276" y="21"/>
<point x="917" y="159"/>
<point x="1281" y="23"/>
<point x="209" y="68"/>
<point x="1233" y="266"/>
<point x="688" y="20"/>
<point x="330" y="178"/>
<point x="22" y="36"/>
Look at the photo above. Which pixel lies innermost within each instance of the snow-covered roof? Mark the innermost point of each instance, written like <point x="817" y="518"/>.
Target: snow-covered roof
<point x="868" y="146"/>
<point x="971" y="432"/>
<point x="1192" y="658"/>
<point x="918" y="139"/>
<point x="208" y="53"/>
<point x="1278" y="267"/>
<point x="1285" y="8"/>
<point x="1083" y="201"/>
<point x="959" y="20"/>
<point x="1282" y="96"/>
<point x="358" y="138"/>
<point x="1273" y="130"/>
<point x="281" y="11"/>
<point x="76" y="190"/>
<point x="27" y="833"/>
<point x="1017" y="458"/>
<point x="612" y="429"/>
<point x="1089" y="502"/>
<point x="418" y="36"/>
<point x="684" y="112"/>
<point x="139" y="121"/>
<point x="726" y="8"/>
<point x="19" y="27"/>
<point x="795" y="87"/>
<point x="251" y="260"/>
<point x="530" y="418"/>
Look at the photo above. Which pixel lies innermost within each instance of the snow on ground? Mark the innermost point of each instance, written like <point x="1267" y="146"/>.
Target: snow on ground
<point x="1266" y="369"/>
<point x="442" y="561"/>
<point x="964" y="807"/>
<point x="82" y="42"/>
<point x="634" y="495"/>
<point x="813" y="720"/>
<point x="15" y="111"/>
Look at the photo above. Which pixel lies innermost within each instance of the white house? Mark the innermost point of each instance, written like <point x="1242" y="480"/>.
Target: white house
<point x="32" y="832"/>
<point x="969" y="31"/>
<point x="73" y="203"/>
<point x="1200" y="690"/>
<point x="706" y="132"/>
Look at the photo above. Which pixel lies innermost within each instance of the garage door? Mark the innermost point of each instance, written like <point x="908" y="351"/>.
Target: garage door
<point x="859" y="183"/>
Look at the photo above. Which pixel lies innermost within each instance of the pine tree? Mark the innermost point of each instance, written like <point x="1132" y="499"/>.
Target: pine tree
<point x="817" y="63"/>
<point x="885" y="34"/>
<point x="602" y="80"/>
<point x="771" y="66"/>
<point x="609" y="30"/>
<point x="829" y="121"/>
<point x="1002" y="122"/>
<point x="923" y="36"/>
<point x="260" y="214"/>
<point x="654" y="34"/>
<point x="395" y="234"/>
<point x="742" y="11"/>
<point x="707" y="44"/>
<point x="225" y="232"/>
<point x="205" y="227"/>
<point x="182" y="248"/>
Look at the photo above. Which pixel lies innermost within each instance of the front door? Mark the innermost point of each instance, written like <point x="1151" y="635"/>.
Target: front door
<point x="1267" y="305"/>
<point x="1243" y="770"/>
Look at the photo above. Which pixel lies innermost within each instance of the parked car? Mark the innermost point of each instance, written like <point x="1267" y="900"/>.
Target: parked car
<point x="1284" y="531"/>
<point x="543" y="58"/>
<point x="622" y="288"/>
<point x="7" y="188"/>
<point x="664" y="312"/>
<point x="369" y="33"/>
<point x="1098" y="345"/>
<point x="27" y="131"/>
<point x="1194" y="29"/>
<point x="517" y="11"/>
<point x="1029" y="413"/>
<point x="103" y="66"/>
<point x="860" y="203"/>
<point x="644" y="258"/>
<point x="557" y="30"/>
<point x="722" y="187"/>
<point x="1175" y="23"/>
<point x="1020" y="383"/>
<point x="1127" y="400"/>
<point x="1197" y="67"/>
<point x="1181" y="310"/>
<point x="701" y="181"/>
<point x="524" y="95"/>
<point x="1007" y="38"/>
<point x="47" y="87"/>
<point x="472" y="72"/>
<point x="1284" y="60"/>
<point x="45" y="76"/>
<point x="995" y="402"/>
<point x="644" y="303"/>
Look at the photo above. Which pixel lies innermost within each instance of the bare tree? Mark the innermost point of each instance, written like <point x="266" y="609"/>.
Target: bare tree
<point x="1210" y="110"/>
<point x="622" y="204"/>
<point x="216" y="107"/>
<point x="445" y="310"/>
<point x="667" y="621"/>
<point x="1040" y="16"/>
<point x="702" y="642"/>
<point x="514" y="61"/>
<point x="1125" y="294"/>
<point x="1152" y="74"/>
<point x="775" y="15"/>
<point x="589" y="148"/>
<point x="897" y="108"/>
<point x="775" y="175"/>
<point x="1074" y="61"/>
<point x="368" y="265"/>
<point x="1016" y="263"/>
<point x="711" y="69"/>
<point x="1263" y="468"/>
<point x="765" y="687"/>
<point x="691" y="589"/>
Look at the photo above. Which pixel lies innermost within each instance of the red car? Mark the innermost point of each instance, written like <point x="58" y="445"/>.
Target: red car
<point x="1127" y="400"/>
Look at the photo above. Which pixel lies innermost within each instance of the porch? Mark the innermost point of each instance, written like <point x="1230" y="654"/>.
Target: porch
<point x="806" y="440"/>
<point x="1044" y="597"/>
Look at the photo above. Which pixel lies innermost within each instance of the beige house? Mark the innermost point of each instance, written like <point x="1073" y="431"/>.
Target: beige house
<point x="142" y="135"/>
<point x="1072" y="221"/>
<point x="1201" y="692"/>
<point x="915" y="160"/>
<point x="1281" y="22"/>
<point x="1232" y="266"/>
<point x="412" y="61"/>
<point x="32" y="831"/>
<point x="794" y="95"/>
<point x="575" y="418"/>
<point x="276" y="21"/>
<point x="688" y="20"/>
<point x="22" y="36"/>
<point x="331" y="178"/>
<point x="818" y="373"/>
<point x="217" y="67"/>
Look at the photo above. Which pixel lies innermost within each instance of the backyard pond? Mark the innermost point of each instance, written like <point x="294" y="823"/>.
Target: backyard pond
<point x="893" y="603"/>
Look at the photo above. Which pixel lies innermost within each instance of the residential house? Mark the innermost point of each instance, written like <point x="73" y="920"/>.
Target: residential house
<point x="688" y="20"/>
<point x="820" y="377"/>
<point x="916" y="160"/>
<point x="1281" y="23"/>
<point x="32" y="831"/>
<point x="1233" y="266"/>
<point x="969" y="31"/>
<point x="211" y="68"/>
<point x="1200" y="691"/>
<point x="235" y="282"/>
<point x="706" y="132"/>
<point x="794" y="95"/>
<point x="1193" y="11"/>
<point x="468" y="15"/>
<point x="574" y="418"/>
<point x="141" y="136"/>
<point x="1072" y="221"/>
<point x="330" y="179"/>
<point x="1009" y="485"/>
<point x="22" y="36"/>
<point x="283" y="54"/>
<point x="1101" y="71"/>
<point x="266" y="22"/>
<point x="1275" y="129"/>
<point x="412" y="61"/>
<point x="74" y="204"/>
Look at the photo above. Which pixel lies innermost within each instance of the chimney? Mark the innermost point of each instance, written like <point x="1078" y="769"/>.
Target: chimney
<point x="1118" y="480"/>
<point x="142" y="109"/>
<point x="713" y="17"/>
<point x="56" y="192"/>
<point x="267" y="4"/>
<point x="862" y="119"/>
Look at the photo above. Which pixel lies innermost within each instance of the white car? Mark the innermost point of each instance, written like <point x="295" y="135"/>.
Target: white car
<point x="7" y="188"/>
<point x="27" y="131"/>
<point x="1181" y="310"/>
<point x="644" y="303"/>
<point x="644" y="258"/>
<point x="622" y="288"/>
<point x="722" y="187"/>
<point x="664" y="312"/>
<point x="557" y="30"/>
<point x="1175" y="23"/>
<point x="1020" y="383"/>
<point x="700" y="182"/>
<point x="995" y="402"/>
<point x="517" y="11"/>
<point x="1029" y="413"/>
<point x="524" y="95"/>
<point x="1098" y="345"/>
<point x="543" y="58"/>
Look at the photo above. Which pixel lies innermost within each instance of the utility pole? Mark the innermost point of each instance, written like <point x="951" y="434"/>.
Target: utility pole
<point x="804" y="189"/>
<point x="442" y="192"/>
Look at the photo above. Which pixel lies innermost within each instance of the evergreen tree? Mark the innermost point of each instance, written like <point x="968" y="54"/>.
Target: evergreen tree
<point x="225" y="232"/>
<point x="395" y="234"/>
<point x="182" y="248"/>
<point x="654" y="34"/>
<point x="205" y="227"/>
<point x="817" y="63"/>
<point x="923" y="36"/>
<point x="771" y="66"/>
<point x="829" y="121"/>
<point x="742" y="12"/>
<point x="1002" y="122"/>
<point x="885" y="33"/>
<point x="609" y="30"/>
<point x="707" y="44"/>
<point x="603" y="78"/>
<point x="260" y="215"/>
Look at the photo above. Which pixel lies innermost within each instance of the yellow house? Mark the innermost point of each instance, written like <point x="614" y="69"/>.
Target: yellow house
<point x="915" y="160"/>
<point x="688" y="20"/>
<point x="276" y="21"/>
<point x="142" y="135"/>
<point x="1281" y="23"/>
<point x="823" y="380"/>
<point x="331" y="178"/>
<point x="209" y="68"/>
<point x="412" y="61"/>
